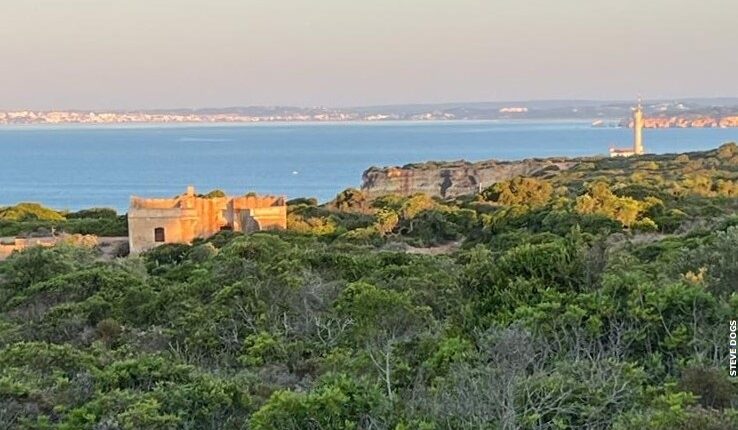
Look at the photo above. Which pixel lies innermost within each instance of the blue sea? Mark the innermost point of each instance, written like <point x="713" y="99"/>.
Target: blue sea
<point x="74" y="167"/>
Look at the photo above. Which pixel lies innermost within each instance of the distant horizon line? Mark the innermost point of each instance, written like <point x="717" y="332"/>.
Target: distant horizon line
<point x="730" y="99"/>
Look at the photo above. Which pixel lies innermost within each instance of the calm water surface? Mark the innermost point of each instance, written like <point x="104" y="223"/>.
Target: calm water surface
<point x="73" y="167"/>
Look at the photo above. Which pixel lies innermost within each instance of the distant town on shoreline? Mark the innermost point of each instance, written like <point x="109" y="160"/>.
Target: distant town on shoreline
<point x="686" y="113"/>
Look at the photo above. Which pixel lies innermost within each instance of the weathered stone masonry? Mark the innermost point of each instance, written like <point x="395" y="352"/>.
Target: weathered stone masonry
<point x="152" y="222"/>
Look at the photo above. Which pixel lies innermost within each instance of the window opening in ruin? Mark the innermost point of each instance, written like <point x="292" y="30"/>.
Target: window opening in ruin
<point x="159" y="234"/>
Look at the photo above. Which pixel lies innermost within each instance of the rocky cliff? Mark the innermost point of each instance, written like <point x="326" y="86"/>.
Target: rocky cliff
<point x="686" y="122"/>
<point x="453" y="179"/>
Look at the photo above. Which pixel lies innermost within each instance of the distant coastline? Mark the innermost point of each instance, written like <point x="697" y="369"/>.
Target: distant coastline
<point x="692" y="113"/>
<point x="58" y="118"/>
<point x="198" y="119"/>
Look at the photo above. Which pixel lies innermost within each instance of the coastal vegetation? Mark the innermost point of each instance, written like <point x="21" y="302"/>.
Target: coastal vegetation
<point x="598" y="297"/>
<point x="32" y="219"/>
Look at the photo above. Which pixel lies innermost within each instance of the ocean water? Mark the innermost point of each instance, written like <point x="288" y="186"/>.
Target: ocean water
<point x="74" y="167"/>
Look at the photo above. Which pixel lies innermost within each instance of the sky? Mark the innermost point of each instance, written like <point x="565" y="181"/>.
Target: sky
<point x="130" y="54"/>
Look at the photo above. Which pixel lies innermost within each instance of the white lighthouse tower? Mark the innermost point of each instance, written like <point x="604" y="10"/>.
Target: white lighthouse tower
<point x="638" y="124"/>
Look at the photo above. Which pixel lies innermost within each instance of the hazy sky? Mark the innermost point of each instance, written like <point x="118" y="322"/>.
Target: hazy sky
<point x="198" y="53"/>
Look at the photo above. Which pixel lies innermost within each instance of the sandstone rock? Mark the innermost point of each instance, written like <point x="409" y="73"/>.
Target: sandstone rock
<point x="453" y="179"/>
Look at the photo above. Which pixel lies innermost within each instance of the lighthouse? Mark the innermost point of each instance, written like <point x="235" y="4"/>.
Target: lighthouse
<point x="638" y="124"/>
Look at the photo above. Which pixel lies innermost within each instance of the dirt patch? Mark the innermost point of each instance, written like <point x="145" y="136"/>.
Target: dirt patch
<point x="112" y="247"/>
<point x="446" y="248"/>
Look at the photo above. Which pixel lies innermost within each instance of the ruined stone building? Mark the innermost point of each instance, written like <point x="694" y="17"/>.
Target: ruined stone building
<point x="152" y="222"/>
<point x="10" y="245"/>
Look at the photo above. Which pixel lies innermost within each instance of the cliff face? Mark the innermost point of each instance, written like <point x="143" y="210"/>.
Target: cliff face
<point x="454" y="179"/>
<point x="686" y="122"/>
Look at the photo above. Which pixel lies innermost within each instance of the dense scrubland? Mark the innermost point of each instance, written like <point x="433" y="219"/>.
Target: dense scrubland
<point x="594" y="298"/>
<point x="33" y="219"/>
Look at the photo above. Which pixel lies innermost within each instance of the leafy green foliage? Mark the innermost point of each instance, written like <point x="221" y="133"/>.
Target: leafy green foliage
<point x="339" y="402"/>
<point x="519" y="191"/>
<point x="600" y="200"/>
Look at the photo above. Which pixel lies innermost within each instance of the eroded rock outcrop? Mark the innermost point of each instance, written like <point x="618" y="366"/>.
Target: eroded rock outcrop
<point x="686" y="122"/>
<point x="457" y="178"/>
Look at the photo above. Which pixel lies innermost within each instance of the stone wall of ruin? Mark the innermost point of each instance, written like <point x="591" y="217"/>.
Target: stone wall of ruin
<point x="178" y="227"/>
<point x="188" y="217"/>
<point x="19" y="244"/>
<point x="269" y="218"/>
